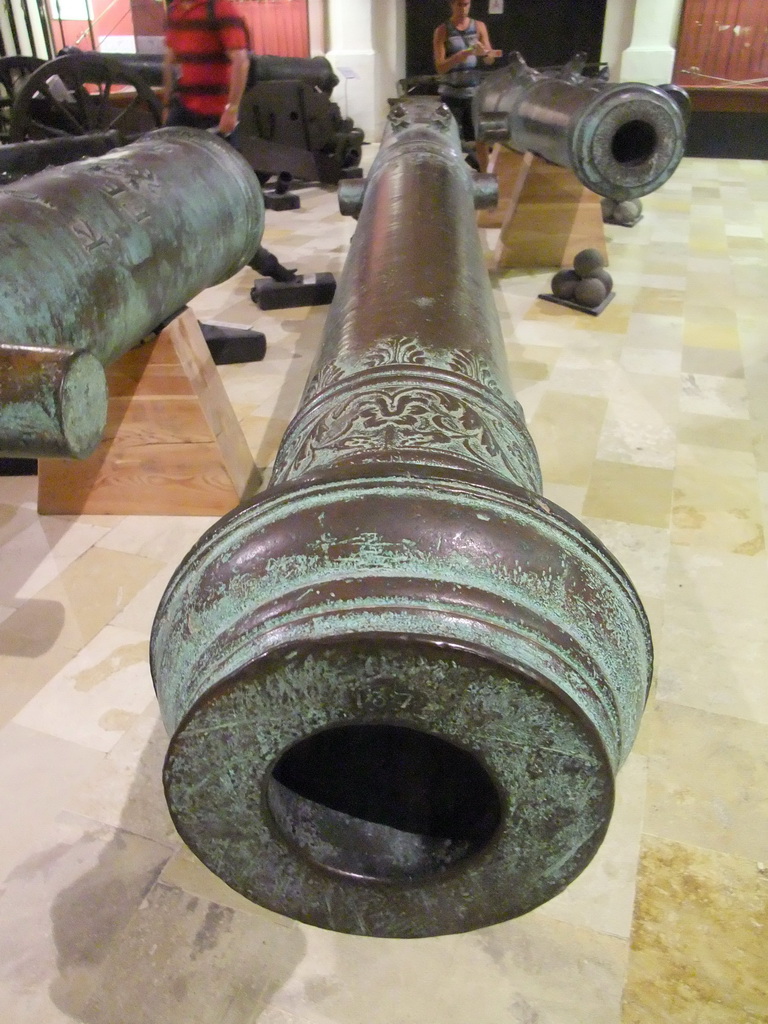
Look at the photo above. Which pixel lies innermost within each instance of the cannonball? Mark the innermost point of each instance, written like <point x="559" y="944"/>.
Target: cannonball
<point x="601" y="274"/>
<point x="590" y="292"/>
<point x="563" y="284"/>
<point x="626" y="212"/>
<point x="586" y="261"/>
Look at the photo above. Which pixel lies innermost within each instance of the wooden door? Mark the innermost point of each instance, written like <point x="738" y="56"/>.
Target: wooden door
<point x="723" y="44"/>
<point x="277" y="27"/>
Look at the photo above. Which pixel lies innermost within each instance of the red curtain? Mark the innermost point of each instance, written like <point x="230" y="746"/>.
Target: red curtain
<point x="278" y="27"/>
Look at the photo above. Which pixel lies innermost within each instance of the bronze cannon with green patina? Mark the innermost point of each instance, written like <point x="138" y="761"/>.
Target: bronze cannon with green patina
<point x="95" y="256"/>
<point x="622" y="140"/>
<point x="400" y="682"/>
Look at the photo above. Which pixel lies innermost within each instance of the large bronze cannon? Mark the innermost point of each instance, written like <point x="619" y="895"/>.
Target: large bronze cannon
<point x="95" y="256"/>
<point x="621" y="140"/>
<point x="400" y="682"/>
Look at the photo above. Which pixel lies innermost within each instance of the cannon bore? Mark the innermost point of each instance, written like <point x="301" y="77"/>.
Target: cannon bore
<point x="400" y="682"/>
<point x="621" y="140"/>
<point x="96" y="255"/>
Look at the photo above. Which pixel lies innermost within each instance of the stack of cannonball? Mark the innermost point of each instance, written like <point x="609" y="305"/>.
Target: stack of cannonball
<point x="621" y="211"/>
<point x="588" y="284"/>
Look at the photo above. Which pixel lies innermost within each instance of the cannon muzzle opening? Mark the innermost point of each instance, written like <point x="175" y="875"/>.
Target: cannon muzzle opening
<point x="389" y="787"/>
<point x="383" y="802"/>
<point x="634" y="143"/>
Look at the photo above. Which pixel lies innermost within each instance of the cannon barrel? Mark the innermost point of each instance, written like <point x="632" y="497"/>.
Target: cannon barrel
<point x="96" y="255"/>
<point x="621" y="140"/>
<point x="317" y="71"/>
<point x="18" y="159"/>
<point x="400" y="682"/>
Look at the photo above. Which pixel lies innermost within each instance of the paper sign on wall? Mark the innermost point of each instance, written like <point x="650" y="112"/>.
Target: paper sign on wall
<point x="495" y="6"/>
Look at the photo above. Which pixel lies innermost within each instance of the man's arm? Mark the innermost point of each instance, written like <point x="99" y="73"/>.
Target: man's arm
<point x="488" y="54"/>
<point x="169" y="64"/>
<point x="240" y="62"/>
<point x="443" y="63"/>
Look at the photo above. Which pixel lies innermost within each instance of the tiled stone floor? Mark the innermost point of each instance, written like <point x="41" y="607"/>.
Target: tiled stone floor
<point x="650" y="422"/>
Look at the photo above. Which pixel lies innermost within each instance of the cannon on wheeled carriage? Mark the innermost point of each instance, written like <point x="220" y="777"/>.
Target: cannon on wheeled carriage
<point x="288" y="123"/>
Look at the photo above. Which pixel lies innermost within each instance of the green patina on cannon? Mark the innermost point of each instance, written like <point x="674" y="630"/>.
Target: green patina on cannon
<point x="96" y="255"/>
<point x="399" y="683"/>
<point x="621" y="140"/>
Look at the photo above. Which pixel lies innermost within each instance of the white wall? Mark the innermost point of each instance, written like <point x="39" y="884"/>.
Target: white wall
<point x="617" y="33"/>
<point x="639" y="39"/>
<point x="367" y="37"/>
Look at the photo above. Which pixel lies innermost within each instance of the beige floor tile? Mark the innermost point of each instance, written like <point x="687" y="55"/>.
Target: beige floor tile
<point x="39" y="773"/>
<point x="707" y="395"/>
<point x="37" y="555"/>
<point x="712" y="361"/>
<point x="730" y="434"/>
<point x="717" y="510"/>
<point x="640" y="421"/>
<point x="168" y="963"/>
<point x="497" y="974"/>
<point x="708" y="781"/>
<point x="660" y="302"/>
<point x="691" y="905"/>
<point x="715" y="660"/>
<point x="64" y="909"/>
<point x="566" y="429"/>
<point x="631" y="494"/>
<point x="100" y="694"/>
<point x="125" y="789"/>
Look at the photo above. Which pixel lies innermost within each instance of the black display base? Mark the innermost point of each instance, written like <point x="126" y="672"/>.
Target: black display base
<point x="233" y="344"/>
<point x="592" y="310"/>
<point x="281" y="201"/>
<point x="18" y="467"/>
<point x="622" y="223"/>
<point x="305" y="290"/>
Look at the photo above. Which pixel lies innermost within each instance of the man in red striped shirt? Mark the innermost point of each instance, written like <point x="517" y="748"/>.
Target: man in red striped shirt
<point x="206" y="43"/>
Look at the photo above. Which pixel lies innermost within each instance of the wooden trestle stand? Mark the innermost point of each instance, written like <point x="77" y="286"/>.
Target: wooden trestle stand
<point x="545" y="214"/>
<point x="172" y="445"/>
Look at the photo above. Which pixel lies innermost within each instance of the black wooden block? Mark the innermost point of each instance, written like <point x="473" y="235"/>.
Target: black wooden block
<point x="305" y="290"/>
<point x="592" y="310"/>
<point x="281" y="201"/>
<point x="18" y="467"/>
<point x="233" y="344"/>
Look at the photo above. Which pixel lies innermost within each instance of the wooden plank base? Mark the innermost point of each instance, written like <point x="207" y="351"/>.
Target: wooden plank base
<point x="550" y="217"/>
<point x="172" y="445"/>
<point x="505" y="164"/>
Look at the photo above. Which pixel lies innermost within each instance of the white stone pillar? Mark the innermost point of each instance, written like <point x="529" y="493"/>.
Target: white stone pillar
<point x="366" y="39"/>
<point x="351" y="53"/>
<point x="650" y="57"/>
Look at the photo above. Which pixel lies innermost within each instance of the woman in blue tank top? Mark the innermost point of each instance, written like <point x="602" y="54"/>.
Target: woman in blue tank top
<point x="459" y="45"/>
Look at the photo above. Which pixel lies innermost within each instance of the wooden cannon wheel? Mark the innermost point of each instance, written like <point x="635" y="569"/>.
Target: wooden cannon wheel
<point x="81" y="93"/>
<point x="14" y="72"/>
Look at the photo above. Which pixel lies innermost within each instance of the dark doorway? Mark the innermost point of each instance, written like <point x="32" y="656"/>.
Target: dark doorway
<point x="546" y="32"/>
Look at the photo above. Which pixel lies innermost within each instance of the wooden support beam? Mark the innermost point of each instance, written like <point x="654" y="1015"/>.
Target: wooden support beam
<point x="172" y="445"/>
<point x="548" y="215"/>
